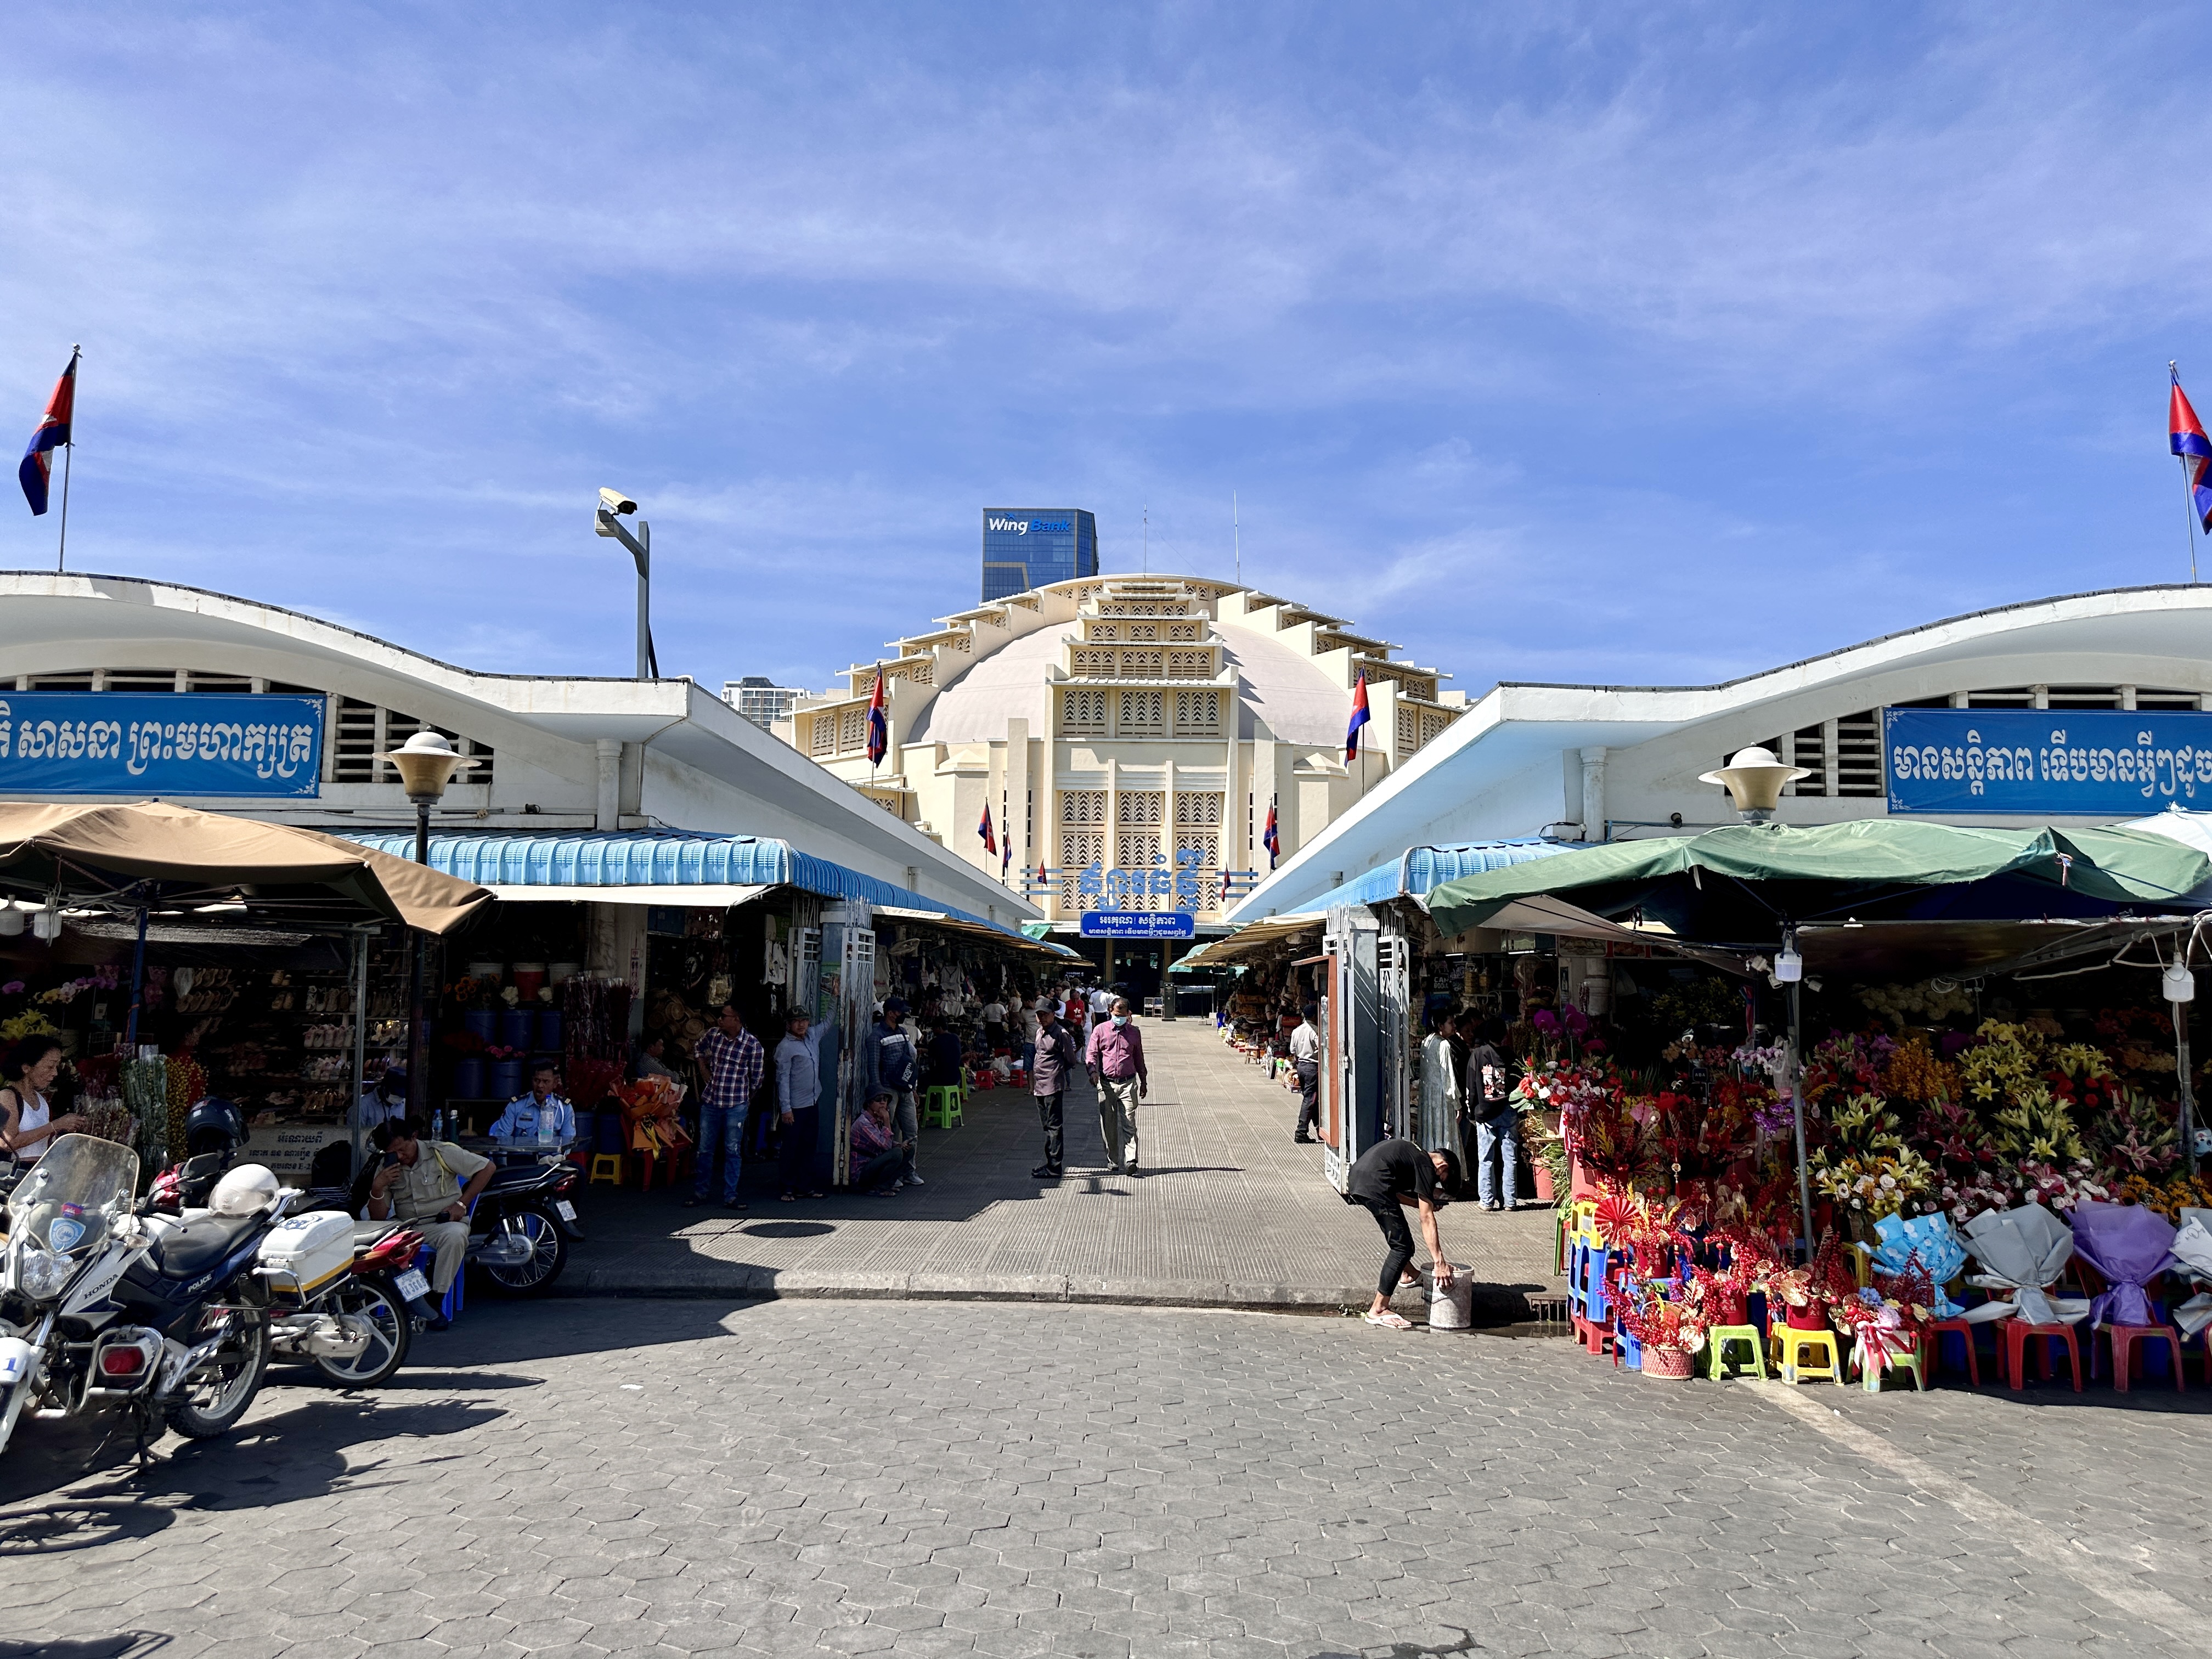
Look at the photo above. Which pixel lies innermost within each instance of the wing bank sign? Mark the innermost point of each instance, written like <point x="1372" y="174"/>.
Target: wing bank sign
<point x="2098" y="762"/>
<point x="1024" y="527"/>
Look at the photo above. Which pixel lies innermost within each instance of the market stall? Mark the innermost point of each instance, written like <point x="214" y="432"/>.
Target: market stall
<point x="176" y="953"/>
<point x="1945" y="1035"/>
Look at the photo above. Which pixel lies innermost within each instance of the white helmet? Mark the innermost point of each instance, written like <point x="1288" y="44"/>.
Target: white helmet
<point x="245" y="1191"/>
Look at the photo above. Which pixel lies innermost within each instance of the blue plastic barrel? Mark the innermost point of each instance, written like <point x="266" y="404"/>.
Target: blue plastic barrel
<point x="482" y="1024"/>
<point x="518" y="1028"/>
<point x="509" y="1077"/>
<point x="468" y="1077"/>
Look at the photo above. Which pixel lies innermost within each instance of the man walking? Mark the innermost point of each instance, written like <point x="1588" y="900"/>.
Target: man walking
<point x="889" y="1065"/>
<point x="1058" y="1054"/>
<point x="799" y="1093"/>
<point x="1305" y="1061"/>
<point x="734" y="1059"/>
<point x="1116" y="1058"/>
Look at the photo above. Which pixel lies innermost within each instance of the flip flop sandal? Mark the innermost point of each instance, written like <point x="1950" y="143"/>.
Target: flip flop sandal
<point x="1388" y="1321"/>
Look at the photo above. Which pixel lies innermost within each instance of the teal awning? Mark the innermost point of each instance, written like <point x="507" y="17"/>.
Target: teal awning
<point x="1419" y="869"/>
<point x="667" y="860"/>
<point x="2102" y="866"/>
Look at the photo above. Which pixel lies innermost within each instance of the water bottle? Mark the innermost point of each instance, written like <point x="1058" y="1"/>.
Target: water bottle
<point x="545" y="1126"/>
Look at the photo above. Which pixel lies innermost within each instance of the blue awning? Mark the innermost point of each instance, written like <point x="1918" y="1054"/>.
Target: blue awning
<point x="1425" y="867"/>
<point x="662" y="859"/>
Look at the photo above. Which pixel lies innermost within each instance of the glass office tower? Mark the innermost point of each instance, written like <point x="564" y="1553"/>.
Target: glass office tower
<point x="1026" y="547"/>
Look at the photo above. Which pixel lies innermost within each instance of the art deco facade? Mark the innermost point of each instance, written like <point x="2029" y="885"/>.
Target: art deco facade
<point x="1128" y="735"/>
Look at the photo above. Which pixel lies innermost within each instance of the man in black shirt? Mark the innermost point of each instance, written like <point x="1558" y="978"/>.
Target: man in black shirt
<point x="1390" y="1176"/>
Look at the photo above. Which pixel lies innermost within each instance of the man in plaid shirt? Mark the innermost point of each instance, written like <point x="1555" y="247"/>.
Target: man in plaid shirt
<point x="733" y="1060"/>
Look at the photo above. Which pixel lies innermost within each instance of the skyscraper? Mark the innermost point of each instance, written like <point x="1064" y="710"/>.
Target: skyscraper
<point x="1028" y="547"/>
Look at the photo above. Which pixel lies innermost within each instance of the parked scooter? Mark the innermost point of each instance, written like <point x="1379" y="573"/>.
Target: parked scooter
<point x="101" y="1307"/>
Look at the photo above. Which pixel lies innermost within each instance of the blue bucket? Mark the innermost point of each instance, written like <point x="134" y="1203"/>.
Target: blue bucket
<point x="468" y="1077"/>
<point x="518" y="1028"/>
<point x="481" y="1024"/>
<point x="509" y="1077"/>
<point x="548" y="1029"/>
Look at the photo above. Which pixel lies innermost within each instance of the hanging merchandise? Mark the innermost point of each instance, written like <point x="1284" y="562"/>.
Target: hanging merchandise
<point x="146" y="1093"/>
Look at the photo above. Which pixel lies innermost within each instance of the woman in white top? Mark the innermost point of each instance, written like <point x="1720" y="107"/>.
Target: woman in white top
<point x="28" y="1125"/>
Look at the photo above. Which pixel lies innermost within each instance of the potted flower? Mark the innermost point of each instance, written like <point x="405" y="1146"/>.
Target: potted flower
<point x="1670" y="1333"/>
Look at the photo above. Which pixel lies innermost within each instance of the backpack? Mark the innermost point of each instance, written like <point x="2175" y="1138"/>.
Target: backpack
<point x="895" y="1060"/>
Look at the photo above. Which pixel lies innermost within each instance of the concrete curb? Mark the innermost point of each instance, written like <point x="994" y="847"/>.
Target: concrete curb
<point x="1495" y="1304"/>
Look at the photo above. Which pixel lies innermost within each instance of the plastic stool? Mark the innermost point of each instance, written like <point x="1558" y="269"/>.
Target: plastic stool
<point x="2124" y="1339"/>
<point x="1791" y="1345"/>
<point x="607" y="1167"/>
<point x="2017" y="1334"/>
<point x="1721" y="1337"/>
<point x="1965" y="1332"/>
<point x="1915" y="1362"/>
<point x="941" y="1106"/>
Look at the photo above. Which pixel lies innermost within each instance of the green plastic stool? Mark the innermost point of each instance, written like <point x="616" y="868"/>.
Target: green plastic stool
<point x="1721" y="1337"/>
<point x="941" y="1106"/>
<point x="1870" y="1375"/>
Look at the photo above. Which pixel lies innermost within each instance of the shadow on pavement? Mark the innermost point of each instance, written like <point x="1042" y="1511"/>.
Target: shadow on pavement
<point x="512" y="1332"/>
<point x="126" y="1644"/>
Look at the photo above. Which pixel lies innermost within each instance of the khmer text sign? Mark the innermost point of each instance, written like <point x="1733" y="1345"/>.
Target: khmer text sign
<point x="135" y="743"/>
<point x="2058" y="762"/>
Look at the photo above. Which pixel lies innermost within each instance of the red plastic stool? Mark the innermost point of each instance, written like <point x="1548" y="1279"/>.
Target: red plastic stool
<point x="1965" y="1332"/>
<point x="2123" y="1339"/>
<point x="2017" y="1332"/>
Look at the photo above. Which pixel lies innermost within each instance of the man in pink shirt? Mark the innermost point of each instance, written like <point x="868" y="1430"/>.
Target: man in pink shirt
<point x="1115" y="1056"/>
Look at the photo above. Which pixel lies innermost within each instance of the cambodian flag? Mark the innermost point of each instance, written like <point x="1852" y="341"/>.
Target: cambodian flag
<point x="1358" y="720"/>
<point x="880" y="726"/>
<point x="990" y="841"/>
<point x="2185" y="436"/>
<point x="1271" y="841"/>
<point x="1006" y="858"/>
<point x="37" y="470"/>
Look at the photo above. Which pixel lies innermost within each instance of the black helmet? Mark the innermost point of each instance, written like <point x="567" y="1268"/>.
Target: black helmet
<point x="214" y="1126"/>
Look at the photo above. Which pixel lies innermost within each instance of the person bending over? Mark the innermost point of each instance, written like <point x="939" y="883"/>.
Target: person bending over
<point x="1390" y="1177"/>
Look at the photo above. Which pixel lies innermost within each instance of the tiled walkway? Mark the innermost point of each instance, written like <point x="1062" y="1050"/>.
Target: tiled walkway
<point x="1228" y="1211"/>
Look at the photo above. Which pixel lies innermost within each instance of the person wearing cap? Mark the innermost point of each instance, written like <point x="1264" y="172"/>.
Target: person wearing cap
<point x="890" y="1066"/>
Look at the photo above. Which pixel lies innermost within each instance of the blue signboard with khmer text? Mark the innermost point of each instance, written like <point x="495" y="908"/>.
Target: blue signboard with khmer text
<point x="1138" y="924"/>
<point x="167" y="743"/>
<point x="2039" y="763"/>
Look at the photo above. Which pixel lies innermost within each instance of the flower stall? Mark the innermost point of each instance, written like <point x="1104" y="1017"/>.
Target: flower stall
<point x="1897" y="1139"/>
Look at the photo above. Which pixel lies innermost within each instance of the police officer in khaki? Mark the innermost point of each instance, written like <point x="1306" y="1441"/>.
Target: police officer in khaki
<point x="429" y="1184"/>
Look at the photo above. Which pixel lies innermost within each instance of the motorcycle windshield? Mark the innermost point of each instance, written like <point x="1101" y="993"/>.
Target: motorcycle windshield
<point x="79" y="1172"/>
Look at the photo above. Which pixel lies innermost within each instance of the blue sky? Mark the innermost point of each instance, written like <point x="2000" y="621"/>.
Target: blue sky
<point x="1550" y="341"/>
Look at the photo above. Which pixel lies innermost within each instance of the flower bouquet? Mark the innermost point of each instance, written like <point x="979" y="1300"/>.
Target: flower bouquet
<point x="1670" y="1332"/>
<point x="649" y="1113"/>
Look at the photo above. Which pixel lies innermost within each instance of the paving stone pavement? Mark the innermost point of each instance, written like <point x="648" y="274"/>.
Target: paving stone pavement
<point x="668" y="1478"/>
<point x="1229" y="1210"/>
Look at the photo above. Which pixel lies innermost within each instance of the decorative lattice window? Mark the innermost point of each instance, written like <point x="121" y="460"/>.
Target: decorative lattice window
<point x="1083" y="809"/>
<point x="1139" y="807"/>
<point x="1858" y="754"/>
<point x="1143" y="713"/>
<point x="1198" y="713"/>
<point x="1190" y="664"/>
<point x="1141" y="665"/>
<point x="1434" y="723"/>
<point x="1409" y="732"/>
<point x="1198" y="809"/>
<point x="1079" y="850"/>
<point x="922" y="672"/>
<point x="1183" y="631"/>
<point x="1083" y="712"/>
<point x="1207" y="846"/>
<point x="1144" y="630"/>
<point x="1093" y="664"/>
<point x="852" y="728"/>
<point x="1105" y="631"/>
<point x="821" y="735"/>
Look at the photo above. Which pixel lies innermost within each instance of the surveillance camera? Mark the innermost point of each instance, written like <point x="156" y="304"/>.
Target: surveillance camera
<point x="615" y="501"/>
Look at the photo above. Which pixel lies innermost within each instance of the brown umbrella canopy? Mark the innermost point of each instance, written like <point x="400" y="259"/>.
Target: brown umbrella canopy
<point x="104" y="853"/>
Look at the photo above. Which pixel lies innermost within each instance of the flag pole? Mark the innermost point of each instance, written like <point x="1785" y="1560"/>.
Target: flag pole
<point x="2188" y="492"/>
<point x="69" y="449"/>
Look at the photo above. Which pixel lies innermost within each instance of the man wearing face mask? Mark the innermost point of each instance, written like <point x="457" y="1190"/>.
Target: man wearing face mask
<point x="1115" y="1056"/>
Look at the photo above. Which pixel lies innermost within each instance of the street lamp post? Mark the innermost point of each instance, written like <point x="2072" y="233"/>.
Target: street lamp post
<point x="426" y="762"/>
<point x="606" y="522"/>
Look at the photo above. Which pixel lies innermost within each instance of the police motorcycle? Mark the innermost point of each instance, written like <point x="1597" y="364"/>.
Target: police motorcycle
<point x="344" y="1298"/>
<point x="101" y="1307"/>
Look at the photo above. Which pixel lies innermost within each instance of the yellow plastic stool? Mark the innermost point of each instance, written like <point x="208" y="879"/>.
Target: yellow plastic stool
<point x="941" y="1106"/>
<point x="1790" y="1346"/>
<point x="607" y="1167"/>
<point x="1721" y="1337"/>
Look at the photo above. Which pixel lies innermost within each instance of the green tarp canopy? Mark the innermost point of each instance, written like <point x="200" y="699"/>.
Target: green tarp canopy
<point x="2104" y="868"/>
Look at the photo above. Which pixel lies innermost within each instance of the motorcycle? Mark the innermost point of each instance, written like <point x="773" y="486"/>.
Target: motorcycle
<point x="522" y="1227"/>
<point x="342" y="1297"/>
<point x="101" y="1307"/>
